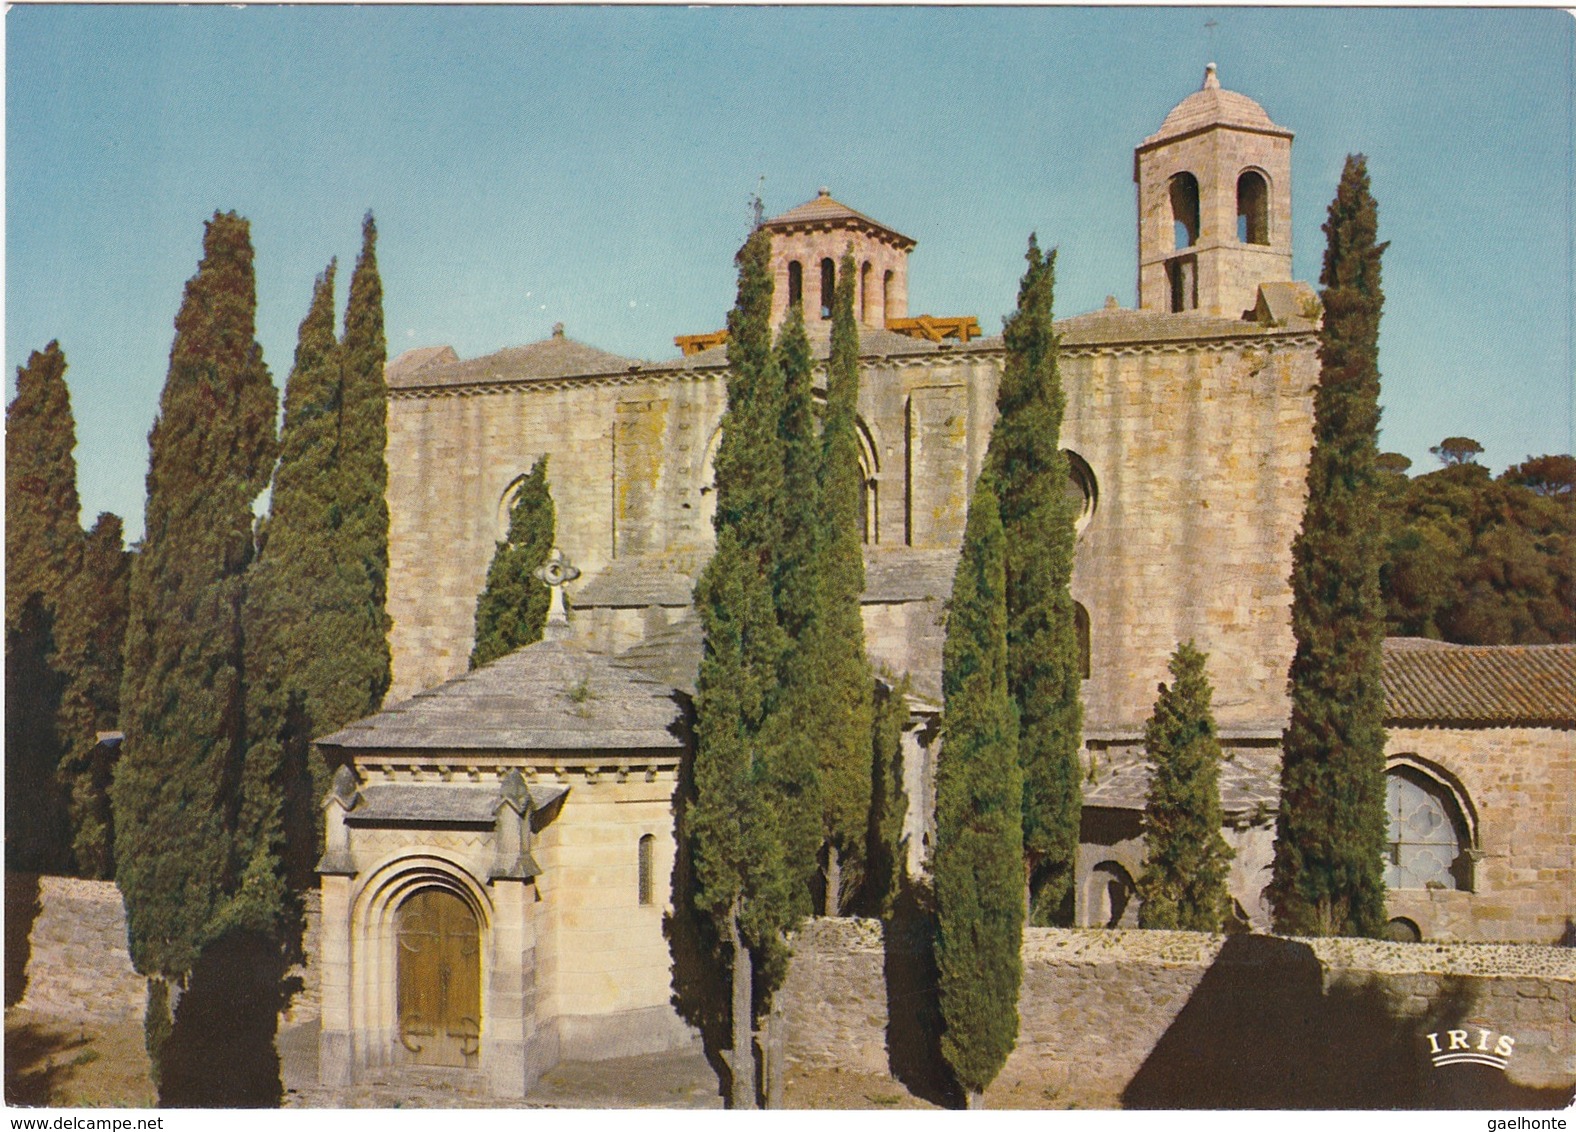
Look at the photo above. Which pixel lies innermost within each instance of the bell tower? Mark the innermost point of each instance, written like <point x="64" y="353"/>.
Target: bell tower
<point x="807" y="246"/>
<point x="1214" y="205"/>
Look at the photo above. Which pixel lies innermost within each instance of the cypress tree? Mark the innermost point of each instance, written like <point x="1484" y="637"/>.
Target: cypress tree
<point x="978" y="866"/>
<point x="512" y="608"/>
<point x="887" y="871"/>
<point x="92" y="631"/>
<point x="301" y="609"/>
<point x="792" y="730"/>
<point x="43" y="547"/>
<point x="741" y="881"/>
<point x="1330" y="832"/>
<point x="363" y="535"/>
<point x="1186" y="860"/>
<point x="177" y="793"/>
<point x="43" y="536"/>
<point x="844" y="680"/>
<point x="1030" y="471"/>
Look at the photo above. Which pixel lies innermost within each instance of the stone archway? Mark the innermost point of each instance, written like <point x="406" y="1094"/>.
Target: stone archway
<point x="439" y="978"/>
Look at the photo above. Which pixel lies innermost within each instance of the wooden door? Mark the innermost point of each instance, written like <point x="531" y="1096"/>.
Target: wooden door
<point x="439" y="979"/>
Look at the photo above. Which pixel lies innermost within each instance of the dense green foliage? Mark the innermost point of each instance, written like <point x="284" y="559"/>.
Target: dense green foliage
<point x="888" y="852"/>
<point x="978" y="864"/>
<point x="1186" y="860"/>
<point x="91" y="629"/>
<point x="732" y="824"/>
<point x="43" y="547"/>
<point x="1030" y="471"/>
<point x="791" y="732"/>
<point x="512" y="608"/>
<point x="178" y="791"/>
<point x="842" y="677"/>
<point x="1482" y="561"/>
<point x="1328" y="876"/>
<point x="362" y="503"/>
<point x="43" y="538"/>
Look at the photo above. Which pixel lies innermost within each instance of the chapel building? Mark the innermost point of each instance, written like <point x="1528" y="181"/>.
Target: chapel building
<point x="500" y="842"/>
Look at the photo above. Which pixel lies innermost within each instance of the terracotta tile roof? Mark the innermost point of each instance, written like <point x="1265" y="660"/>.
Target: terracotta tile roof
<point x="1214" y="106"/>
<point x="1430" y="682"/>
<point x="553" y="695"/>
<point x="554" y="357"/>
<point x="823" y="210"/>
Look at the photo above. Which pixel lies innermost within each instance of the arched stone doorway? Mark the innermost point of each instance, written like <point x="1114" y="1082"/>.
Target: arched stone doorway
<point x="439" y="980"/>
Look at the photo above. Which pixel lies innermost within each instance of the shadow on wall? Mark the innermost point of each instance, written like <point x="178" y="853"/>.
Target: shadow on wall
<point x="22" y="907"/>
<point x="1260" y="1032"/>
<point x="221" y="1051"/>
<point x="913" y="1007"/>
<point x="701" y="986"/>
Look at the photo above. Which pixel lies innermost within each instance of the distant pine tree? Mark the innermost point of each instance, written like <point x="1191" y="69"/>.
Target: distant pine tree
<point x="178" y="789"/>
<point x="1330" y="834"/>
<point x="43" y="548"/>
<point x="978" y="865"/>
<point x="92" y="633"/>
<point x="512" y="609"/>
<point x="1186" y="860"/>
<point x="1031" y="474"/>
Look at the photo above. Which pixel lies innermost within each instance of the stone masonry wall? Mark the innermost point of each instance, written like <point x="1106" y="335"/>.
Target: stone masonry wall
<point x="1198" y="448"/>
<point x="77" y="966"/>
<point x="1151" y="1019"/>
<point x="1517" y="780"/>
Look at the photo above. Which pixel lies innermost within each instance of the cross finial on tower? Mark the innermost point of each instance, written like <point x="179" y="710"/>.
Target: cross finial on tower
<point x="553" y="574"/>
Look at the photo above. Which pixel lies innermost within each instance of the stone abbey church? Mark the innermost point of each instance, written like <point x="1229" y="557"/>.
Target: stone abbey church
<point x="500" y="843"/>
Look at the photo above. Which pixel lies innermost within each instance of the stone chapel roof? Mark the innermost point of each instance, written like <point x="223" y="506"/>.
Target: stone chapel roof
<point x="550" y="696"/>
<point x="553" y="357"/>
<point x="1212" y="105"/>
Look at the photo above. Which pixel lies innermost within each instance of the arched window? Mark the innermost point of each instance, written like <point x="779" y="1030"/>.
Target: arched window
<point x="886" y="297"/>
<point x="795" y="282"/>
<point x="864" y="293"/>
<point x="1184" y="209"/>
<point x="828" y="286"/>
<point x="1082" y="490"/>
<point x="1253" y="208"/>
<point x="646" y="881"/>
<point x="1428" y="837"/>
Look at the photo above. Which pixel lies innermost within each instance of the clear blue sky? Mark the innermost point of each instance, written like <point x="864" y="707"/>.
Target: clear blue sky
<point x="592" y="166"/>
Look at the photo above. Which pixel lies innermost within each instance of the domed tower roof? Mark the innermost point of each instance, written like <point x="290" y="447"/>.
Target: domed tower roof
<point x="1212" y="105"/>
<point x="824" y="213"/>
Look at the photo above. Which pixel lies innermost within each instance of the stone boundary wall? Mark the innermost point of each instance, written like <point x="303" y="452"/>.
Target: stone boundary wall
<point x="1138" y="1018"/>
<point x="73" y="964"/>
<point x="77" y="965"/>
